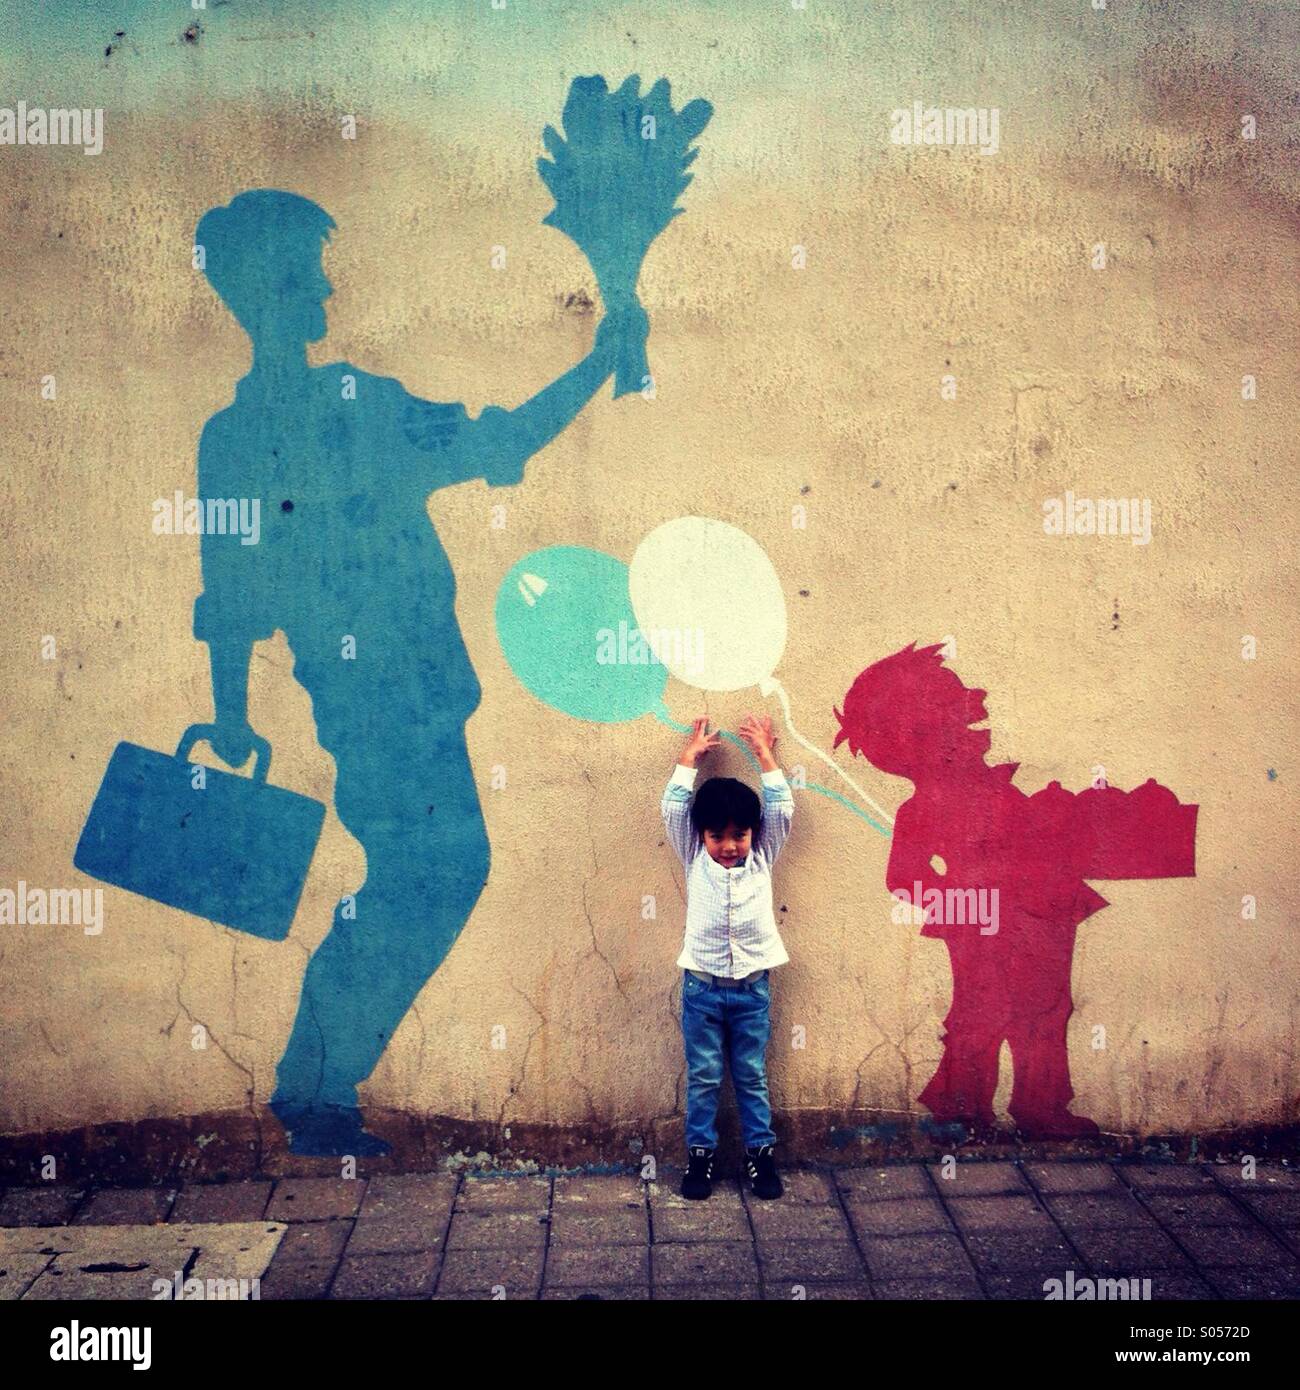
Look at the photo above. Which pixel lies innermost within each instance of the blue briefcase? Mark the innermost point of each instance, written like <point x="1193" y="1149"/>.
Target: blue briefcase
<point x="234" y="850"/>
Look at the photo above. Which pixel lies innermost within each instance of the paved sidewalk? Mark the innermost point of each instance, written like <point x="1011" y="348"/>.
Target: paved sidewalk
<point x="905" y="1231"/>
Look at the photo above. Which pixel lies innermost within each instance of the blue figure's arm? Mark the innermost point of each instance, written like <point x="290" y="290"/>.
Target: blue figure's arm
<point x="226" y="613"/>
<point x="498" y="444"/>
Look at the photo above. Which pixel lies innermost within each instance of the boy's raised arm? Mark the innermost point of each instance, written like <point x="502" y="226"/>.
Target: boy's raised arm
<point x="778" y="799"/>
<point x="778" y="813"/>
<point x="676" y="804"/>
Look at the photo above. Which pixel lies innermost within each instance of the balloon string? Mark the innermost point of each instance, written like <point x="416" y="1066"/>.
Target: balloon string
<point x="775" y="685"/>
<point x="662" y="715"/>
<point x="744" y="748"/>
<point x="844" y="801"/>
<point x="665" y="718"/>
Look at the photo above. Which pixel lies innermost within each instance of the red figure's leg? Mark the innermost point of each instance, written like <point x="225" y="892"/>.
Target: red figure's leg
<point x="963" y="1086"/>
<point x="1041" y="1091"/>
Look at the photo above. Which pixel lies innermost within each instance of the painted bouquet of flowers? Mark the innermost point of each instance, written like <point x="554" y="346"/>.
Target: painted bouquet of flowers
<point x="616" y="174"/>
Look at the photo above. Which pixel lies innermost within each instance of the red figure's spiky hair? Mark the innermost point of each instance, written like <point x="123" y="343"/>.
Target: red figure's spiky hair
<point x="906" y="707"/>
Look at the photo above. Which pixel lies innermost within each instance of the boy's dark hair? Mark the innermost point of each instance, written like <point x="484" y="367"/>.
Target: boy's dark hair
<point x="724" y="801"/>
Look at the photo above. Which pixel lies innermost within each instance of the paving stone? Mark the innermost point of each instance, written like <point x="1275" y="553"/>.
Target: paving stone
<point x="1278" y="1208"/>
<point x="305" y="1263"/>
<point x="804" y="1187"/>
<point x="404" y="1214"/>
<point x="314" y="1240"/>
<point x="777" y="1221"/>
<point x="515" y="1273"/>
<point x="315" y="1199"/>
<point x="1178" y="1286"/>
<point x="600" y="1190"/>
<point x="1113" y="1251"/>
<point x="396" y="1235"/>
<point x="18" y="1272"/>
<point x="873" y="1184"/>
<point x="486" y="1195"/>
<point x="1065" y="1178"/>
<point x="665" y="1195"/>
<point x="809" y="1261"/>
<point x="1203" y="1209"/>
<point x="51" y="1205"/>
<point x="906" y="1216"/>
<point x="846" y="1292"/>
<point x="707" y="1293"/>
<point x="575" y="1224"/>
<point x="386" y="1276"/>
<point x="1025" y="1285"/>
<point x="125" y="1261"/>
<point x="915" y="1257"/>
<point x="596" y="1265"/>
<point x="126" y="1206"/>
<point x="623" y="1294"/>
<point x="929" y="1290"/>
<point x="56" y="1285"/>
<point x="1167" y="1177"/>
<point x="1266" y="1282"/>
<point x="999" y="1214"/>
<point x="695" y="1221"/>
<point x="403" y="1195"/>
<point x="1092" y="1211"/>
<point x="714" y="1263"/>
<point x="496" y="1230"/>
<point x="222" y="1201"/>
<point x="1230" y="1245"/>
<point x="1268" y="1177"/>
<point x="978" y="1179"/>
<point x="1006" y="1251"/>
<point x="298" y="1280"/>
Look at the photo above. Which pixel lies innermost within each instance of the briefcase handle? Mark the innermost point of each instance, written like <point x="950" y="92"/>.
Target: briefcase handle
<point x="197" y="733"/>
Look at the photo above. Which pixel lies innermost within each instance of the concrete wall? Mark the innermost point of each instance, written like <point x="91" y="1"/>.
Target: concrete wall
<point x="776" y="387"/>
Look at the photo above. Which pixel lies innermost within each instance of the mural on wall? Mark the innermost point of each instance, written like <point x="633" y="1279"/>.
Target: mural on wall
<point x="1000" y="876"/>
<point x="1022" y="391"/>
<point x="597" y="639"/>
<point x="338" y="465"/>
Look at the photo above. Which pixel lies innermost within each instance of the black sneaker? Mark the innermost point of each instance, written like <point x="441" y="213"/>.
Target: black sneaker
<point x="760" y="1166"/>
<point x="698" y="1182"/>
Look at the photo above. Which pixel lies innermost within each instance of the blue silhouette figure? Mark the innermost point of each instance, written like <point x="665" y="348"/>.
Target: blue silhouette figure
<point x="350" y="568"/>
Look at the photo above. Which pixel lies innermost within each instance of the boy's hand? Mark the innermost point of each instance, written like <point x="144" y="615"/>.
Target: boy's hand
<point x="700" y="742"/>
<point x="757" y="731"/>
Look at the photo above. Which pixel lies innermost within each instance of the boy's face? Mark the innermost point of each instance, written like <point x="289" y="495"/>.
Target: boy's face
<point x="728" y="847"/>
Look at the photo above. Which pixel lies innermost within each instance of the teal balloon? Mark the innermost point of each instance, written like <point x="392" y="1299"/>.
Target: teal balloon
<point x="565" y="623"/>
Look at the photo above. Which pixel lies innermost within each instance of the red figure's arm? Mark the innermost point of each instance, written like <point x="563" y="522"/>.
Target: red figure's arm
<point x="910" y="854"/>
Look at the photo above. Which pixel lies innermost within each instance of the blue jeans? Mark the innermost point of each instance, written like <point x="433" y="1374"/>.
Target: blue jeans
<point x="728" y="1021"/>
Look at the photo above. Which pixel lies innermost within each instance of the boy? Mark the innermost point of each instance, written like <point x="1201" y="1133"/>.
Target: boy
<point x="728" y="841"/>
<point x="968" y="827"/>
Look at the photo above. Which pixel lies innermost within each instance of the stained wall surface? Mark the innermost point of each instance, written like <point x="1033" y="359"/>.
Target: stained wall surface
<point x="782" y="381"/>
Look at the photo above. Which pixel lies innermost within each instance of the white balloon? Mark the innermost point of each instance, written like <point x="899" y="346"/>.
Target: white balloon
<point x="708" y="603"/>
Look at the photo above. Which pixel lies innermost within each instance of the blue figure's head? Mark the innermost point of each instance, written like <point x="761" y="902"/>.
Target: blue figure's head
<point x="262" y="255"/>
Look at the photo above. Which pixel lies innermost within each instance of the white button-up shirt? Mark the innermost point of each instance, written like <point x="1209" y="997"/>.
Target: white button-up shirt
<point x="730" y="926"/>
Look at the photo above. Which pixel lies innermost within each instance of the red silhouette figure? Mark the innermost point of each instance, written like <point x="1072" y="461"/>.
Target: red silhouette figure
<point x="968" y="827"/>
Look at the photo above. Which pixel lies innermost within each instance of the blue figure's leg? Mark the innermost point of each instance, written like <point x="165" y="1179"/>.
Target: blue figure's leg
<point x="414" y="807"/>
